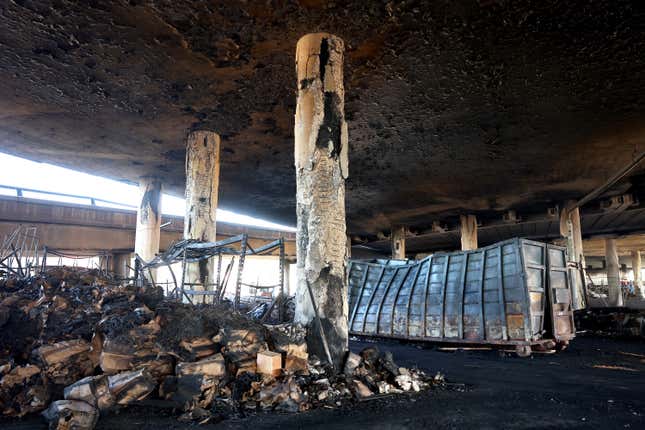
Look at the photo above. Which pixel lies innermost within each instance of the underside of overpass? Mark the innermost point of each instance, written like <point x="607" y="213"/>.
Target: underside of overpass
<point x="465" y="175"/>
<point x="451" y="106"/>
<point x="627" y="225"/>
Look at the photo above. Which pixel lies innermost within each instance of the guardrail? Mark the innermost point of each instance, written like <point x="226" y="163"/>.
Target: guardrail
<point x="92" y="201"/>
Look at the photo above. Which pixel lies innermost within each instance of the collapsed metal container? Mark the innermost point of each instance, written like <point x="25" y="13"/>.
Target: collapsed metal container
<point x="516" y="292"/>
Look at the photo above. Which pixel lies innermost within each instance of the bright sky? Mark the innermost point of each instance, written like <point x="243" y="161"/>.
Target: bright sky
<point x="19" y="172"/>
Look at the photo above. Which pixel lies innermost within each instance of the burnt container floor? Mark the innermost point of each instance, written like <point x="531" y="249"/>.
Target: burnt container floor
<point x="596" y="383"/>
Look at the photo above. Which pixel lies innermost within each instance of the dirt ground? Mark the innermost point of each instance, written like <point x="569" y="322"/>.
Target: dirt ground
<point x="596" y="383"/>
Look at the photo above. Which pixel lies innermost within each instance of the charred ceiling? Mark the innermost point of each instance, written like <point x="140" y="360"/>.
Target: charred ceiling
<point x="452" y="106"/>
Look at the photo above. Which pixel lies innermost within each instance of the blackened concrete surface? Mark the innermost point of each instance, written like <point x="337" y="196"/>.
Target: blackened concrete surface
<point x="452" y="106"/>
<point x="596" y="383"/>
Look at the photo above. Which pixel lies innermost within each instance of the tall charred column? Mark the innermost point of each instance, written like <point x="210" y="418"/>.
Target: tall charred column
<point x="202" y="184"/>
<point x="468" y="232"/>
<point x="613" y="273"/>
<point x="146" y="241"/>
<point x="636" y="267"/>
<point x="570" y="229"/>
<point x="398" y="242"/>
<point x="321" y="169"/>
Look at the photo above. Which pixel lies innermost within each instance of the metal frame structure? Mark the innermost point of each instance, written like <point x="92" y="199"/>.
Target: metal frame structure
<point x="22" y="257"/>
<point x="193" y="251"/>
<point x="75" y="256"/>
<point x="19" y="252"/>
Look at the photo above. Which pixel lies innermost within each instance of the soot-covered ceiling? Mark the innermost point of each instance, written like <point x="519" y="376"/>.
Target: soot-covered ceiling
<point x="452" y="106"/>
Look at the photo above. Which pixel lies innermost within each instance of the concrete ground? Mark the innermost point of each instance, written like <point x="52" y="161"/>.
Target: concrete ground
<point x="596" y="383"/>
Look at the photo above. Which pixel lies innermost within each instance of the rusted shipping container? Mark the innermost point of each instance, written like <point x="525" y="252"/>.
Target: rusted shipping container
<point x="515" y="292"/>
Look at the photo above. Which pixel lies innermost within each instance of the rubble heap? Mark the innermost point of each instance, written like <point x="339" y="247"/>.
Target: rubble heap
<point x="612" y="322"/>
<point x="74" y="346"/>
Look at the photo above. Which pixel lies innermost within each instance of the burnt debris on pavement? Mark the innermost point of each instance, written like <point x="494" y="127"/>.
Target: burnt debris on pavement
<point x="75" y="344"/>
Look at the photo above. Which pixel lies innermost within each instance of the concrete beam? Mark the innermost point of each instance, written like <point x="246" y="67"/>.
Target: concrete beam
<point x="613" y="273"/>
<point x="321" y="169"/>
<point x="85" y="239"/>
<point x="74" y="227"/>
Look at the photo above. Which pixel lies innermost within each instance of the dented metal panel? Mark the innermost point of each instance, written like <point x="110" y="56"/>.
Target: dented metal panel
<point x="497" y="294"/>
<point x="560" y="297"/>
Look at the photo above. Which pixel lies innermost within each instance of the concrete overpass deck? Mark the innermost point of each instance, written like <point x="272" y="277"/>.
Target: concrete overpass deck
<point x="74" y="227"/>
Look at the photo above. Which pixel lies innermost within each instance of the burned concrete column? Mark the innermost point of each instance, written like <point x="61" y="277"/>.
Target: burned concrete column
<point x="468" y="232"/>
<point x="146" y="241"/>
<point x="397" y="238"/>
<point x="615" y="295"/>
<point x="636" y="267"/>
<point x="202" y="184"/>
<point x="120" y="263"/>
<point x="321" y="169"/>
<point x="570" y="229"/>
<point x="104" y="262"/>
<point x="287" y="277"/>
<point x="576" y="229"/>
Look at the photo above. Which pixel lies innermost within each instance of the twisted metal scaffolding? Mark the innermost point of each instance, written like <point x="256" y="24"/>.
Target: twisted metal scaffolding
<point x="19" y="252"/>
<point x="193" y="251"/>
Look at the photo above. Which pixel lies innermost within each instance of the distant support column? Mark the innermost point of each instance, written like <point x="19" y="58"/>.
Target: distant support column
<point x="287" y="277"/>
<point x="397" y="238"/>
<point x="104" y="262"/>
<point x="146" y="242"/>
<point x="468" y="232"/>
<point x="120" y="263"/>
<point x="321" y="169"/>
<point x="202" y="184"/>
<point x="615" y="296"/>
<point x="636" y="267"/>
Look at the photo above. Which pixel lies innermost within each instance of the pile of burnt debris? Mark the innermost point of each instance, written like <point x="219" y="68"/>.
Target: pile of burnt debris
<point x="613" y="322"/>
<point x="74" y="346"/>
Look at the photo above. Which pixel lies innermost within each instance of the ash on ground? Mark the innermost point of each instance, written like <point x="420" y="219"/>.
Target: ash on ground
<point x="73" y="345"/>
